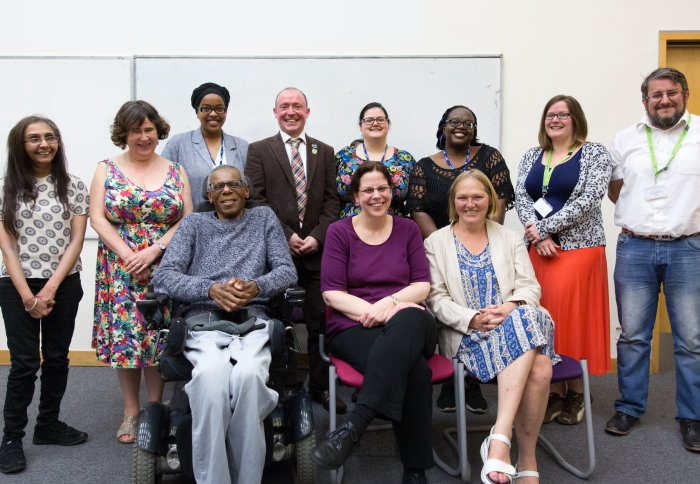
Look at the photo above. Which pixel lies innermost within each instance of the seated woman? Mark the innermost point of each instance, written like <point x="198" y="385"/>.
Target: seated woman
<point x="483" y="288"/>
<point x="374" y="274"/>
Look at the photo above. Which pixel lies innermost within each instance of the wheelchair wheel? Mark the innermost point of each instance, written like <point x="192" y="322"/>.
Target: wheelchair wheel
<point x="143" y="467"/>
<point x="305" y="466"/>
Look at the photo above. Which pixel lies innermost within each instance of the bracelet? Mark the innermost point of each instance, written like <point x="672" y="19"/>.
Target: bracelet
<point x="394" y="300"/>
<point x="36" y="301"/>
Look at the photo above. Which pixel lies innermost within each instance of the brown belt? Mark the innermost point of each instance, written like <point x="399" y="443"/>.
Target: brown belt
<point x="657" y="237"/>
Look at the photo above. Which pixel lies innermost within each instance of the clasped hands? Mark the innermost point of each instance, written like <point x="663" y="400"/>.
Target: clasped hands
<point x="233" y="294"/>
<point x="382" y="311"/>
<point x="299" y="246"/>
<point x="544" y="247"/>
<point x="138" y="264"/>
<point x="40" y="305"/>
<point x="490" y="317"/>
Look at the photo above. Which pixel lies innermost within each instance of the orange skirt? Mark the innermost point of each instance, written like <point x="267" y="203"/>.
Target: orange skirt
<point x="575" y="292"/>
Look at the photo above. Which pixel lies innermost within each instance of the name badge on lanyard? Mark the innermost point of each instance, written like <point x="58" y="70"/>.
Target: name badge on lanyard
<point x="542" y="206"/>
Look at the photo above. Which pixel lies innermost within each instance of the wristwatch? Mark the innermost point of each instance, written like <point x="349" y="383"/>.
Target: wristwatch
<point x="161" y="245"/>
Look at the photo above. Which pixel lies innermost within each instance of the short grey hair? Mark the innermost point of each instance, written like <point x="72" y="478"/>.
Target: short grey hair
<point x="674" y="75"/>
<point x="218" y="168"/>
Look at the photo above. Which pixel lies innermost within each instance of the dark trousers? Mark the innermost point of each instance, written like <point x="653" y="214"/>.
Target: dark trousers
<point x="393" y="359"/>
<point x="313" y="309"/>
<point x="23" y="333"/>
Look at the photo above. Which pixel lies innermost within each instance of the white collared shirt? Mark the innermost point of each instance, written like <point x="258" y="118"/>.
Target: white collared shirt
<point x="665" y="204"/>
<point x="302" y="148"/>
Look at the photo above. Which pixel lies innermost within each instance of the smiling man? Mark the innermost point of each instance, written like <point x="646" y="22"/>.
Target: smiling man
<point x="224" y="266"/>
<point x="295" y="175"/>
<point x="654" y="185"/>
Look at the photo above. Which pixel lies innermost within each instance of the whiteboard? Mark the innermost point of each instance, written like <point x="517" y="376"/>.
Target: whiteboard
<point x="414" y="90"/>
<point x="80" y="94"/>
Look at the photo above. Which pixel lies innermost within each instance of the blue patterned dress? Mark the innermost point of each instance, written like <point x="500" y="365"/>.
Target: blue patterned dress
<point x="526" y="327"/>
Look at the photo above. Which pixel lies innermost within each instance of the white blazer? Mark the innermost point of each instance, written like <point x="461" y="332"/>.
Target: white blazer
<point x="511" y="263"/>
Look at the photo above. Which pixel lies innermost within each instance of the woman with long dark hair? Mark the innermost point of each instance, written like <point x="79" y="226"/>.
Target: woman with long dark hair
<point x="44" y="214"/>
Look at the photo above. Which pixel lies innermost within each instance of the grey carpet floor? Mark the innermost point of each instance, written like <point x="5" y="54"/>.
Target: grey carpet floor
<point x="651" y="453"/>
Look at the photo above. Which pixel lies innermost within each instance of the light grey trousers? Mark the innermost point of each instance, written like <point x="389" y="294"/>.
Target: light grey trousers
<point x="229" y="400"/>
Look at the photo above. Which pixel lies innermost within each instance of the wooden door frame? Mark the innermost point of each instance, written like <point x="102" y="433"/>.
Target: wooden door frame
<point x="669" y="37"/>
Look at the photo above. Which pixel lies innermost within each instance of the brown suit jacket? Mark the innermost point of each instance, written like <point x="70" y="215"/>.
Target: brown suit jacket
<point x="273" y="181"/>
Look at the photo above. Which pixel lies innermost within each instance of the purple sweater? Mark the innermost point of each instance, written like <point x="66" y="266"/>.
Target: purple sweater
<point x="370" y="272"/>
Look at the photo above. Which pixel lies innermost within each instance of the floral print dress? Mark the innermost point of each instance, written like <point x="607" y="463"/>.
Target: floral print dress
<point x="140" y="217"/>
<point x="400" y="164"/>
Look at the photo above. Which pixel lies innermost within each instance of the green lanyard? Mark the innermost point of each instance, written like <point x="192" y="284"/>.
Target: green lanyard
<point x="673" y="153"/>
<point x="548" y="171"/>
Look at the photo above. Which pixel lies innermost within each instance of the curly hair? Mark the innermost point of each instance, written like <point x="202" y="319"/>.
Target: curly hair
<point x="132" y="114"/>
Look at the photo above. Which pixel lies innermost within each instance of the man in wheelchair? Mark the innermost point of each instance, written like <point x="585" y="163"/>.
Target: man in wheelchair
<point x="222" y="267"/>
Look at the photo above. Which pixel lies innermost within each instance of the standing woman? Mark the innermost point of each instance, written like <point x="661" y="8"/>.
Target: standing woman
<point x="374" y="125"/>
<point x="201" y="150"/>
<point x="558" y="196"/>
<point x="44" y="213"/>
<point x="428" y="193"/>
<point x="460" y="150"/>
<point x="139" y="198"/>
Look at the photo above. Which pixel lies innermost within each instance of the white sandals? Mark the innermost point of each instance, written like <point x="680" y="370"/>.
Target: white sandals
<point x="496" y="465"/>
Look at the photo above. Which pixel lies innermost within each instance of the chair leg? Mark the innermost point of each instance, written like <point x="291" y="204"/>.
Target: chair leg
<point x="585" y="473"/>
<point x="336" y="475"/>
<point x="462" y="470"/>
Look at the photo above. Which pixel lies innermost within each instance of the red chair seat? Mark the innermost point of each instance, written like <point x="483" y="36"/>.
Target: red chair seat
<point x="440" y="366"/>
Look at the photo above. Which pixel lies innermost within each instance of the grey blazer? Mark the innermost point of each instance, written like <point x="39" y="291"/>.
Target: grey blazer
<point x="190" y="150"/>
<point x="514" y="272"/>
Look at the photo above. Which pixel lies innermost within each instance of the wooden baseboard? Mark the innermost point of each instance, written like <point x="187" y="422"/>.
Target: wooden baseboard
<point x="613" y="365"/>
<point x="77" y="358"/>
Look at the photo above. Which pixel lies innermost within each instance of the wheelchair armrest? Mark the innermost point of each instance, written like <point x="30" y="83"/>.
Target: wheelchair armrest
<point x="278" y="346"/>
<point x="152" y="308"/>
<point x="295" y="295"/>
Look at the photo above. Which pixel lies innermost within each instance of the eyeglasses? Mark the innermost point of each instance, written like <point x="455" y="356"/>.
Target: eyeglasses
<point x="378" y="120"/>
<point x="456" y="123"/>
<point x="231" y="184"/>
<point x="370" y="191"/>
<point x="557" y="115"/>
<point x="658" y="96"/>
<point x="49" y="138"/>
<point x="208" y="109"/>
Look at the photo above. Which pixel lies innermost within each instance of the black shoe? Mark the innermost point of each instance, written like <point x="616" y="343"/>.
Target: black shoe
<point x="476" y="403"/>
<point x="621" y="423"/>
<point x="12" y="456"/>
<point x="691" y="434"/>
<point x="413" y="477"/>
<point x="332" y="452"/>
<point x="58" y="433"/>
<point x="446" y="400"/>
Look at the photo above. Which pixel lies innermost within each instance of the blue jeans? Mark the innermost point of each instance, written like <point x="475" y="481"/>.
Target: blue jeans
<point x="642" y="266"/>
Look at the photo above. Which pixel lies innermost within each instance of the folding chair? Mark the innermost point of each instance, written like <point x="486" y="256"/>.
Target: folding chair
<point x="567" y="369"/>
<point x="442" y="368"/>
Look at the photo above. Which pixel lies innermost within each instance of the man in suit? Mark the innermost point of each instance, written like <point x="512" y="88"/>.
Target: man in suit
<point x="295" y="175"/>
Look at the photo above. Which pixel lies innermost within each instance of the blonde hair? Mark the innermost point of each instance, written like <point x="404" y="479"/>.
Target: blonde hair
<point x="479" y="176"/>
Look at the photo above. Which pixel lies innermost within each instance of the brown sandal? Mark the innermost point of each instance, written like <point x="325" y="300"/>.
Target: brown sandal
<point x="128" y="427"/>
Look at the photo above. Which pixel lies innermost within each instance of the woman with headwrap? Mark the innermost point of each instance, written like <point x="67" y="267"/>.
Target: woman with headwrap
<point x="202" y="149"/>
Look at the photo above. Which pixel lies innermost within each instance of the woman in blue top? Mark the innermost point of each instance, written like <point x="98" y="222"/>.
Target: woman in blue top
<point x="202" y="149"/>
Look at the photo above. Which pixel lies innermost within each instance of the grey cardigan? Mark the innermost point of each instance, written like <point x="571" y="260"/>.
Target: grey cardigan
<point x="579" y="223"/>
<point x="190" y="150"/>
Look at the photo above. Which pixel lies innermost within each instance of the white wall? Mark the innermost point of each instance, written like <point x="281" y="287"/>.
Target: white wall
<point x="598" y="51"/>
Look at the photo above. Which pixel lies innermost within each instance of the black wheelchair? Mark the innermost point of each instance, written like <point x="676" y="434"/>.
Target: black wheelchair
<point x="163" y="442"/>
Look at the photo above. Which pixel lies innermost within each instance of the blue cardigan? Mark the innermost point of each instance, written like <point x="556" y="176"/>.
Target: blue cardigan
<point x="190" y="150"/>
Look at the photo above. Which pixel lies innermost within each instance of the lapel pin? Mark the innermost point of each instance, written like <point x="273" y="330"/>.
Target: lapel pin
<point x="314" y="149"/>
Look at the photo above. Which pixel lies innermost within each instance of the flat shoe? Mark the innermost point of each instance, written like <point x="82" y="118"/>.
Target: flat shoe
<point x="128" y="427"/>
<point x="494" y="465"/>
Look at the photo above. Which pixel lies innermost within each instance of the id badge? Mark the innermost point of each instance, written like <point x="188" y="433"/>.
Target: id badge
<point x="542" y="207"/>
<point x="654" y="193"/>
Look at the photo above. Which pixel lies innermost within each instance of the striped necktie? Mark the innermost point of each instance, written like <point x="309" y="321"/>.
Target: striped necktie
<point x="299" y="177"/>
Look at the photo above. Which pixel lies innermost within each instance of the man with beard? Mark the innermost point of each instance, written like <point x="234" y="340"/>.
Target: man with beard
<point x="654" y="185"/>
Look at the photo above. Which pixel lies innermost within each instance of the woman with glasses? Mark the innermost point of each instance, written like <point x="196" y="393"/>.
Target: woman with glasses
<point x="558" y="196"/>
<point x="44" y="213"/>
<point x="374" y="125"/>
<point x="138" y="198"/>
<point x="374" y="276"/>
<point x="201" y="150"/>
<point x="428" y="189"/>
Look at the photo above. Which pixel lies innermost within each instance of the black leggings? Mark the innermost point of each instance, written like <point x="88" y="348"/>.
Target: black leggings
<point x="393" y="359"/>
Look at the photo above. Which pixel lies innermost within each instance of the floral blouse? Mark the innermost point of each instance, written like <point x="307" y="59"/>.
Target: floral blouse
<point x="400" y="166"/>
